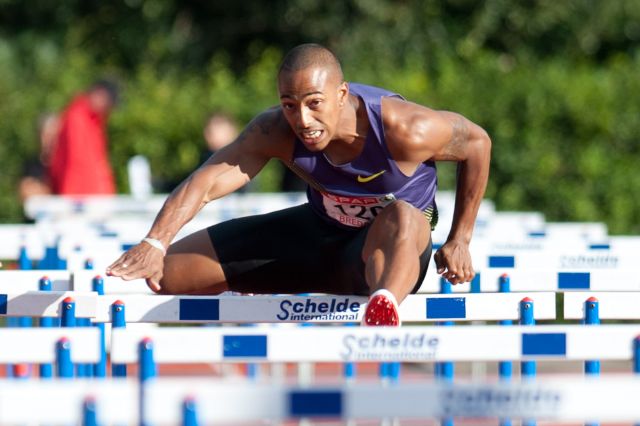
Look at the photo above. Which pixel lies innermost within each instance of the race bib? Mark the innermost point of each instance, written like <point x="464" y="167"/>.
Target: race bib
<point x="352" y="210"/>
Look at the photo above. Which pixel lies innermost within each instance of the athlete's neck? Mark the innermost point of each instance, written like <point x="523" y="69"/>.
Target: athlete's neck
<point x="351" y="133"/>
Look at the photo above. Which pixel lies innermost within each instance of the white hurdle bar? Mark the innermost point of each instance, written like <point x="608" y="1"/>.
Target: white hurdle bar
<point x="83" y="281"/>
<point x="560" y="259"/>
<point x="272" y="308"/>
<point x="567" y="399"/>
<point x="619" y="305"/>
<point x="16" y="281"/>
<point x="103" y="207"/>
<point x="487" y="280"/>
<point x="376" y="344"/>
<point x="38" y="345"/>
<point x="544" y="279"/>
<point x="60" y="401"/>
<point x="321" y="308"/>
<point x="47" y="304"/>
<point x="116" y="401"/>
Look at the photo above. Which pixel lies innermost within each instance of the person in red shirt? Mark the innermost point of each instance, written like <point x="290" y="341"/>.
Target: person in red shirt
<point x="80" y="159"/>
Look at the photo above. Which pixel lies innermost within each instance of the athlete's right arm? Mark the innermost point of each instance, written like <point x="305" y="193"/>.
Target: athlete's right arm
<point x="227" y="170"/>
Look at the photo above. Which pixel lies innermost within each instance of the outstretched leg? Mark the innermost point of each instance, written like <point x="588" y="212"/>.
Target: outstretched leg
<point x="392" y="250"/>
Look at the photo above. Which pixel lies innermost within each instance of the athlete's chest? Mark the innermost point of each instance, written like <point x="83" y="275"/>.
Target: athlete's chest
<point x="372" y="172"/>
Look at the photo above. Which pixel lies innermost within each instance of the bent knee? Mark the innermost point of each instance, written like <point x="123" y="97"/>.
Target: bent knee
<point x="402" y="215"/>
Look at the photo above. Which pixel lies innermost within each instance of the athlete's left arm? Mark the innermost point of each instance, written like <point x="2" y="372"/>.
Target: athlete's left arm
<point x="469" y="145"/>
<point x="446" y="136"/>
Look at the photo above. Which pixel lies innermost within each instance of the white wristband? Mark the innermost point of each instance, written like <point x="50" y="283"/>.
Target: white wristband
<point x="155" y="243"/>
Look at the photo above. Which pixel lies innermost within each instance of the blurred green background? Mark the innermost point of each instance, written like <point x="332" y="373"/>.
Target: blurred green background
<point x="555" y="83"/>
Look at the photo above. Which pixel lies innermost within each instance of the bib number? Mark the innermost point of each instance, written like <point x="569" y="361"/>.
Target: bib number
<point x="354" y="211"/>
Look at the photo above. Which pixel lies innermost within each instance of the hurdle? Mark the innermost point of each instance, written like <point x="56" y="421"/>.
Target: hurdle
<point x="99" y="207"/>
<point x="42" y="345"/>
<point x="612" y="305"/>
<point x="59" y="401"/>
<point x="47" y="304"/>
<point x="205" y="401"/>
<point x="122" y="309"/>
<point x="378" y="344"/>
<point x="504" y="228"/>
<point x="83" y="280"/>
<point x="167" y="400"/>
<point x="16" y="281"/>
<point x="542" y="279"/>
<point x="592" y="307"/>
<point x="577" y="255"/>
<point x="560" y="259"/>
<point x="386" y="344"/>
<point x="318" y="308"/>
<point x="483" y="247"/>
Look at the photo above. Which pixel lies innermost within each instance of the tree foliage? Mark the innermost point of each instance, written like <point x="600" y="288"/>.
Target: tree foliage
<point x="552" y="82"/>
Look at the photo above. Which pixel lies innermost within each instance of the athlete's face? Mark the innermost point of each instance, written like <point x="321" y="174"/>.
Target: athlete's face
<point x="312" y="100"/>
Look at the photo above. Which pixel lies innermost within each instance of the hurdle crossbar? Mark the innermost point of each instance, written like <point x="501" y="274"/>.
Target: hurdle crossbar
<point x="60" y="401"/>
<point x="320" y="308"/>
<point x="83" y="281"/>
<point x="566" y="399"/>
<point x="38" y="345"/>
<point x="619" y="305"/>
<point x="525" y="279"/>
<point x="18" y="281"/>
<point x="47" y="303"/>
<point x="347" y="344"/>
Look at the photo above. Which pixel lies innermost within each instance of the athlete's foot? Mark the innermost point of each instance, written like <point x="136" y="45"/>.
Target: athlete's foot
<point x="382" y="310"/>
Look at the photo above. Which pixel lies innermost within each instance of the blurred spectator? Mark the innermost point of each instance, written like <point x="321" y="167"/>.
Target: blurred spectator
<point x="34" y="180"/>
<point x="80" y="158"/>
<point x="220" y="129"/>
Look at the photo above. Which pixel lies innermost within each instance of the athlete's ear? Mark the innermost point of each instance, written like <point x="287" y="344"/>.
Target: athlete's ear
<point x="343" y="93"/>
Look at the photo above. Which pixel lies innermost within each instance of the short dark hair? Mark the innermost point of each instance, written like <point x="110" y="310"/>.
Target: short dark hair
<point x="310" y="55"/>
<point x="109" y="86"/>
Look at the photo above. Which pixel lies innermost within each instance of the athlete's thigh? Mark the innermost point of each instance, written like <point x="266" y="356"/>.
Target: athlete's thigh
<point x="398" y="221"/>
<point x="191" y="266"/>
<point x="288" y="251"/>
<point x="401" y="223"/>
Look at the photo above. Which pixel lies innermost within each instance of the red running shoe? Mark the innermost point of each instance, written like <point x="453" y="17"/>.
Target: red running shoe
<point x="382" y="310"/>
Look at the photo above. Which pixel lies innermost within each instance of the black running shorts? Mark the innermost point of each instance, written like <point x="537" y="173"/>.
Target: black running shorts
<point x="294" y="251"/>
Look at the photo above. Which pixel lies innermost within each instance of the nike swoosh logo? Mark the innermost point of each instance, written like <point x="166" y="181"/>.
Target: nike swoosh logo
<point x="369" y="178"/>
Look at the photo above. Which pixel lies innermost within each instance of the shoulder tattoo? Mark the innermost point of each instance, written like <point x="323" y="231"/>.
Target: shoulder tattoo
<point x="459" y="135"/>
<point x="266" y="125"/>
<point x="263" y="124"/>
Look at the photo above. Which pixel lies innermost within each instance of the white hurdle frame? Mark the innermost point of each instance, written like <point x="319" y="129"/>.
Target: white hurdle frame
<point x="16" y="281"/>
<point x="83" y="281"/>
<point x="19" y="291"/>
<point x="321" y="308"/>
<point x="60" y="401"/>
<point x="566" y="399"/>
<point x="545" y="279"/>
<point x="48" y="303"/>
<point x="619" y="305"/>
<point x="38" y="345"/>
<point x="375" y="344"/>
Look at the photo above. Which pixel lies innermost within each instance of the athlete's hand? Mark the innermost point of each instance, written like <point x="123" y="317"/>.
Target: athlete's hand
<point x="453" y="262"/>
<point x="140" y="261"/>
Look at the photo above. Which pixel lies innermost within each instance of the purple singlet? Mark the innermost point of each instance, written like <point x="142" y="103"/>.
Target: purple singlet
<point x="352" y="194"/>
